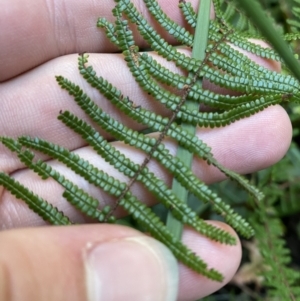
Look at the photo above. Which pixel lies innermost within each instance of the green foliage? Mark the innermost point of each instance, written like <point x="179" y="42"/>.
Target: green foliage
<point x="274" y="268"/>
<point x="213" y="59"/>
<point x="270" y="229"/>
<point x="295" y="23"/>
<point x="270" y="237"/>
<point x="266" y="26"/>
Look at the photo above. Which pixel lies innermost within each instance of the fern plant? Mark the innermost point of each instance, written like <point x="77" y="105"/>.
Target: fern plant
<point x="213" y="59"/>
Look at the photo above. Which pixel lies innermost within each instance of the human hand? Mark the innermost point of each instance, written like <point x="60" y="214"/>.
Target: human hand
<point x="41" y="263"/>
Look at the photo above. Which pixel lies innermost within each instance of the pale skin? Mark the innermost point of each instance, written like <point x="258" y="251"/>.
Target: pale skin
<point x="41" y="39"/>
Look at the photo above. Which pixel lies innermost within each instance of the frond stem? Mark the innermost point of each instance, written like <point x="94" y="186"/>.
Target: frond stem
<point x="199" y="47"/>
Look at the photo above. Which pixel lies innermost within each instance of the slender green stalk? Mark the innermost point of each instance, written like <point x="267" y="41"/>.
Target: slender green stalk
<point x="265" y="25"/>
<point x="199" y="46"/>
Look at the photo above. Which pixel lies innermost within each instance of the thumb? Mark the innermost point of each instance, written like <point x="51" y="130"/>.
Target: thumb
<point x="94" y="262"/>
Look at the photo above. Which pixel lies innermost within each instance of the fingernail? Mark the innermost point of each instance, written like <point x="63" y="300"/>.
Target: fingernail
<point x="135" y="268"/>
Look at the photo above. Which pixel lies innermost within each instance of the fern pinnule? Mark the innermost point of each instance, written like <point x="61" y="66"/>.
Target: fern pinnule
<point x="43" y="208"/>
<point x="272" y="83"/>
<point x="37" y="204"/>
<point x="77" y="164"/>
<point x="216" y="119"/>
<point x="158" y="44"/>
<point x="177" y="31"/>
<point x="243" y="42"/>
<point x="74" y="195"/>
<point x="110" y="30"/>
<point x="188" y="13"/>
<point x="163" y="74"/>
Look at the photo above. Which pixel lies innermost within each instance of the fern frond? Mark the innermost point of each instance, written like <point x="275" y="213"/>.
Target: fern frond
<point x="152" y="120"/>
<point x="150" y="181"/>
<point x="214" y="59"/>
<point x="140" y="212"/>
<point x="177" y="168"/>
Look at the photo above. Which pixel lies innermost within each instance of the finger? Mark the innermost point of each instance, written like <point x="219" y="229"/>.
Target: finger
<point x="37" y="31"/>
<point x="245" y="146"/>
<point x="104" y="262"/>
<point x="23" y="104"/>
<point x="192" y="286"/>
